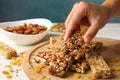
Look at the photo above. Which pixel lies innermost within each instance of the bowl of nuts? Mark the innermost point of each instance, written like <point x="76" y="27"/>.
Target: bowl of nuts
<point x="26" y="32"/>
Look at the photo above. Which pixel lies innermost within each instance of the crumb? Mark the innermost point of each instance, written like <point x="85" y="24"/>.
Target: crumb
<point x="10" y="68"/>
<point x="16" y="75"/>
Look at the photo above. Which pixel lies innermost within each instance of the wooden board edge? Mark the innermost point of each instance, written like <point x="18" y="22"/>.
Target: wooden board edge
<point x="28" y="69"/>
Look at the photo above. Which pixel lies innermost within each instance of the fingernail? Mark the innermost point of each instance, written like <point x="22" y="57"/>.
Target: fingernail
<point x="86" y="39"/>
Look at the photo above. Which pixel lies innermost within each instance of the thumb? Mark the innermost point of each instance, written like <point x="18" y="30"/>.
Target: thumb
<point x="91" y="32"/>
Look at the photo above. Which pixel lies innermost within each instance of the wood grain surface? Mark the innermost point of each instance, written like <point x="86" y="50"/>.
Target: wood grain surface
<point x="110" y="52"/>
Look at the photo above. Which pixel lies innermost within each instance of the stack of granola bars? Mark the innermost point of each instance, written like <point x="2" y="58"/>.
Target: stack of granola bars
<point x="75" y="55"/>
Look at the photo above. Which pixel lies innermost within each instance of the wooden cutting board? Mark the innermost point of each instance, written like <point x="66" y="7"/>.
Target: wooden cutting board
<point x="110" y="51"/>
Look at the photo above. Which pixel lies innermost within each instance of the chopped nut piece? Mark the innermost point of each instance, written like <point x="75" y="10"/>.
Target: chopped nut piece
<point x="60" y="65"/>
<point x="80" y="67"/>
<point x="13" y="58"/>
<point x="16" y="75"/>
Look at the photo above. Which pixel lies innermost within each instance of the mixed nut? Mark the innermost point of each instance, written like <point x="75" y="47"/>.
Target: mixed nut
<point x="29" y="29"/>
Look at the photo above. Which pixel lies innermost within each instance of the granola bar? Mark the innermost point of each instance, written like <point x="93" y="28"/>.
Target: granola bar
<point x="83" y="29"/>
<point x="80" y="66"/>
<point x="60" y="65"/>
<point x="98" y="66"/>
<point x="57" y="64"/>
<point x="87" y="48"/>
<point x="45" y="56"/>
<point x="7" y="51"/>
<point x="63" y="60"/>
<point x="74" y="43"/>
<point x="76" y="55"/>
<point x="81" y="49"/>
<point x="56" y="44"/>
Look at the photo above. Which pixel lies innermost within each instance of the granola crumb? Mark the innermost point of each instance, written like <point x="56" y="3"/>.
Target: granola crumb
<point x="17" y="60"/>
<point x="10" y="68"/>
<point x="16" y="75"/>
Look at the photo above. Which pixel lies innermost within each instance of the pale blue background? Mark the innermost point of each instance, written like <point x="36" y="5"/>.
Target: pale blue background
<point x="55" y="10"/>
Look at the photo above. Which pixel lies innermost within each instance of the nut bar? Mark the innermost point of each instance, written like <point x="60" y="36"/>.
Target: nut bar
<point x="83" y="29"/>
<point x="56" y="43"/>
<point x="45" y="56"/>
<point x="86" y="48"/>
<point x="7" y="51"/>
<point x="60" y="65"/>
<point x="92" y="46"/>
<point x="79" y="66"/>
<point x="98" y="66"/>
<point x="74" y="44"/>
<point x="58" y="62"/>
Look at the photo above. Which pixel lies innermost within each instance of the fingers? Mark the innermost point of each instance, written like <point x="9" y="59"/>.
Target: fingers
<point x="91" y="13"/>
<point x="74" y="18"/>
<point x="91" y="32"/>
<point x="69" y="29"/>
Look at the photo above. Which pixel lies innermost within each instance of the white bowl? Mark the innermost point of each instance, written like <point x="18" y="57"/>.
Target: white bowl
<point x="22" y="39"/>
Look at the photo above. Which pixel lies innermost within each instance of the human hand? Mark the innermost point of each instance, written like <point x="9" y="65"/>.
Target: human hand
<point x="97" y="16"/>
